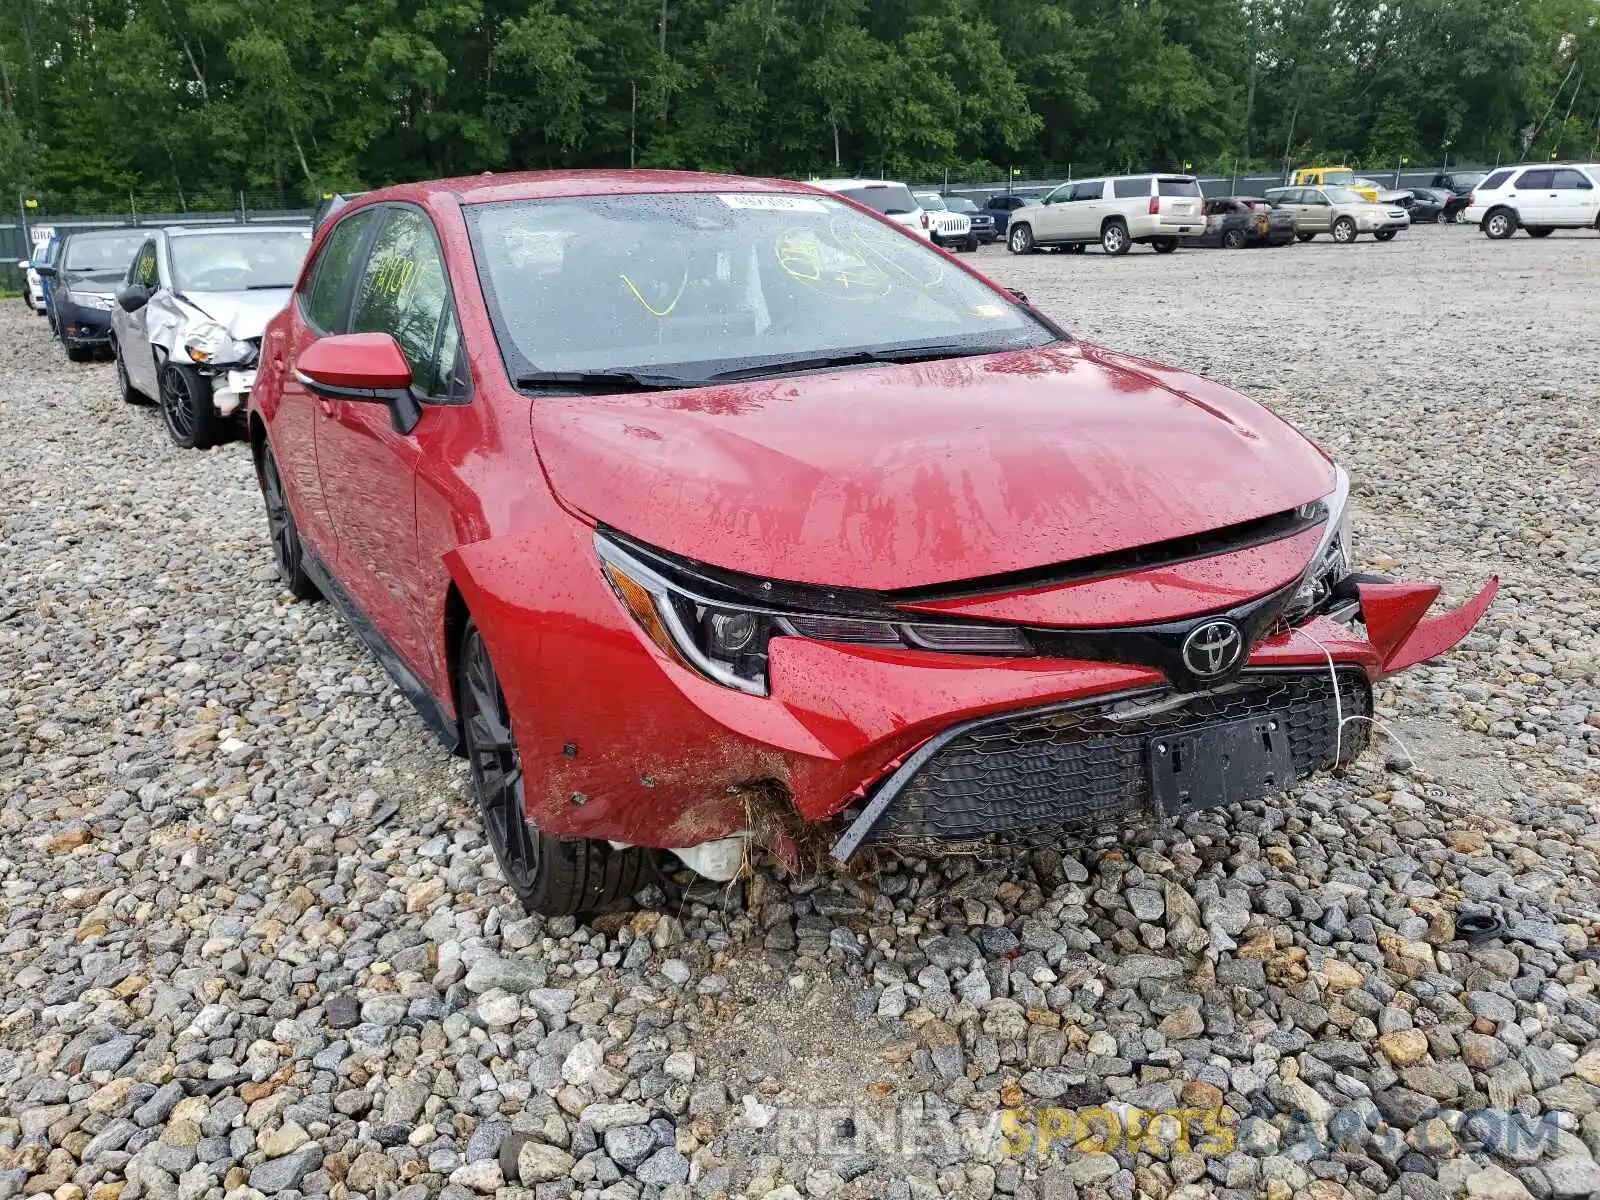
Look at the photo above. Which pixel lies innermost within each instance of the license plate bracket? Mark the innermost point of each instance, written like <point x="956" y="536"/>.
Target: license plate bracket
<point x="1227" y="763"/>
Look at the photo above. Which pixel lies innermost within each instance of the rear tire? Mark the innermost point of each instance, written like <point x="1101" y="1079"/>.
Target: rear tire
<point x="1019" y="240"/>
<point x="187" y="408"/>
<point x="1114" y="237"/>
<point x="125" y="388"/>
<point x="1344" y="231"/>
<point x="1233" y="239"/>
<point x="1164" y="245"/>
<point x="1499" y="224"/>
<point x="1541" y="231"/>
<point x="1304" y="237"/>
<point x="552" y="876"/>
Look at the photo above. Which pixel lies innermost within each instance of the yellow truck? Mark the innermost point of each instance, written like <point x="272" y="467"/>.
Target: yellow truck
<point x="1336" y="177"/>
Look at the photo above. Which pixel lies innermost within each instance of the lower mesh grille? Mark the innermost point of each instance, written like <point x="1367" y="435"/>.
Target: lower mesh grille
<point x="1064" y="768"/>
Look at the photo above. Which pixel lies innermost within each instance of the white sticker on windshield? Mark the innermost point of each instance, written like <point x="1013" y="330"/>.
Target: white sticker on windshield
<point x="772" y="202"/>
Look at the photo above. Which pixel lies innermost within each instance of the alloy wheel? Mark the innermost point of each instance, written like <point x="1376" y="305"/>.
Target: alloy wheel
<point x="1021" y="240"/>
<point x="176" y="407"/>
<point x="1112" y="239"/>
<point x="1498" y="225"/>
<point x="1344" y="231"/>
<point x="496" y="766"/>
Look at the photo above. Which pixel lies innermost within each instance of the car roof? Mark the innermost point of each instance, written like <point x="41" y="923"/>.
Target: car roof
<point x="196" y="230"/>
<point x="493" y="188"/>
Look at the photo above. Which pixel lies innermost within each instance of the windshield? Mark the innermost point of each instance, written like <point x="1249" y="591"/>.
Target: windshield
<point x="930" y="201"/>
<point x="891" y="199"/>
<point x="1338" y="177"/>
<point x="1343" y="196"/>
<point x="237" y="261"/>
<point x="101" y="253"/>
<point x="960" y="205"/>
<point x="693" y="284"/>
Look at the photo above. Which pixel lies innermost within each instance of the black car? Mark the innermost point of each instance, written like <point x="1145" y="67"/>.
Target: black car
<point x="1000" y="209"/>
<point x="85" y="276"/>
<point x="1459" y="184"/>
<point x="1429" y="205"/>
<point x="1233" y="222"/>
<point x="982" y="221"/>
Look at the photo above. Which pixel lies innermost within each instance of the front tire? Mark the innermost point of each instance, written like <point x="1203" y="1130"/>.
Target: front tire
<point x="1344" y="231"/>
<point x="1385" y="235"/>
<point x="1500" y="224"/>
<point x="552" y="876"/>
<point x="1114" y="238"/>
<point x="971" y="244"/>
<point x="288" y="552"/>
<point x="186" y="406"/>
<point x="1304" y="237"/>
<point x="1019" y="240"/>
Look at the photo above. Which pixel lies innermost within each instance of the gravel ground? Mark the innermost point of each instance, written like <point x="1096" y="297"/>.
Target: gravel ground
<point x="254" y="944"/>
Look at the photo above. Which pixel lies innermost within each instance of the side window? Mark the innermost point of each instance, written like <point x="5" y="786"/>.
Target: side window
<point x="1089" y="189"/>
<point x="1130" y="189"/>
<point x="1494" y="181"/>
<point x="143" y="268"/>
<point x="404" y="292"/>
<point x="1573" y="181"/>
<point x="1059" y="194"/>
<point x="1538" y="178"/>
<point x="327" y="295"/>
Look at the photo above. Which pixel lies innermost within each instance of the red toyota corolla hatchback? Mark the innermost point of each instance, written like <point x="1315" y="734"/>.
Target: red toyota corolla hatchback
<point x="700" y="511"/>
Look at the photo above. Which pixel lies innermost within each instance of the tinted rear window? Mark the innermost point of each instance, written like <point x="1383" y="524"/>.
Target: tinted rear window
<point x="1494" y="181"/>
<point x="1179" y="187"/>
<point x="891" y="199"/>
<point x="1127" y="189"/>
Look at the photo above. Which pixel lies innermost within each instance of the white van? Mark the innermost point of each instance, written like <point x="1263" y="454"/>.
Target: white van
<point x="893" y="200"/>
<point x="1540" y="198"/>
<point x="1117" y="212"/>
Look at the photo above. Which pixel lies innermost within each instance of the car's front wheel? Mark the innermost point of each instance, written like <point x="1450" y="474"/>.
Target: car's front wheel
<point x="550" y="875"/>
<point x="1344" y="231"/>
<point x="1385" y="235"/>
<point x="1304" y="237"/>
<point x="1020" y="239"/>
<point x="1500" y="224"/>
<point x="187" y="407"/>
<point x="287" y="551"/>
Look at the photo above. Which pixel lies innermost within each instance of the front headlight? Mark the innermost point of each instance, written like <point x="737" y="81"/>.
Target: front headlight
<point x="206" y="341"/>
<point x="1333" y="557"/>
<point x="90" y="300"/>
<point x="726" y="641"/>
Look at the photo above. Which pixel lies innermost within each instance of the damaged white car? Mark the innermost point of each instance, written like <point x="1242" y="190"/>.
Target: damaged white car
<point x="188" y="320"/>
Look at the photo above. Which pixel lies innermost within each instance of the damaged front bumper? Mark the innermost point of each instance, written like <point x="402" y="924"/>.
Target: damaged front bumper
<point x="911" y="744"/>
<point x="230" y="387"/>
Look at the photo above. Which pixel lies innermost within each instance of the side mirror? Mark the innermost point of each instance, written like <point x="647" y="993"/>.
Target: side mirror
<point x="132" y="297"/>
<point x="366" y="368"/>
<point x="22" y="264"/>
<point x="46" y="271"/>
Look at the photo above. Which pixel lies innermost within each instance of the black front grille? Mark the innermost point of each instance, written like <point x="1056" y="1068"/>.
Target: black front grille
<point x="1065" y="767"/>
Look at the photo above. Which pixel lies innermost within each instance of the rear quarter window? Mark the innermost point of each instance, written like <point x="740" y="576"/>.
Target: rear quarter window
<point x="1497" y="180"/>
<point x="327" y="296"/>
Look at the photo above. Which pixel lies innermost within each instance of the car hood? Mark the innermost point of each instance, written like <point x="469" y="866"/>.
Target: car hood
<point x="920" y="474"/>
<point x="243" y="314"/>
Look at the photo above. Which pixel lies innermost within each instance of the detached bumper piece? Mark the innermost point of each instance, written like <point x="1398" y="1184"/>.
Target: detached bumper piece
<point x="1033" y="775"/>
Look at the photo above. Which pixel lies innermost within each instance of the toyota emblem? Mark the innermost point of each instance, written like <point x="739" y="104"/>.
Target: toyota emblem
<point x="1213" y="649"/>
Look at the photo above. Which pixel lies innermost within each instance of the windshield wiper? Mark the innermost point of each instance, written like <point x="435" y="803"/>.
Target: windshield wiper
<point x="602" y="381"/>
<point x="905" y="354"/>
<point x="267" y="287"/>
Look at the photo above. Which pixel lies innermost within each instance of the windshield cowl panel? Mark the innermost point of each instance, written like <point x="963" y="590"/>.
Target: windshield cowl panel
<point x="685" y="287"/>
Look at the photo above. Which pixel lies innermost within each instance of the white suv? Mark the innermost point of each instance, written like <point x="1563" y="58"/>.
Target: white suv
<point x="1116" y="212"/>
<point x="1540" y="198"/>
<point x="952" y="230"/>
<point x="893" y="200"/>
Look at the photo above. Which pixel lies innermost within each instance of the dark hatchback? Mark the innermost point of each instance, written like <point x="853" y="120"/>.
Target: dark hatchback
<point x="83" y="280"/>
<point x="1233" y="222"/>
